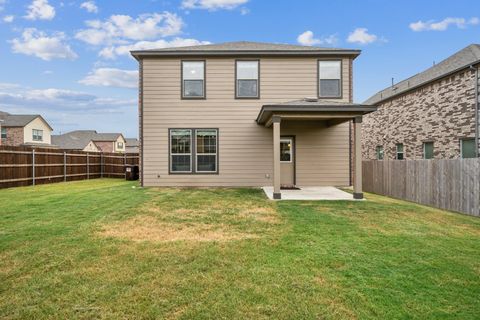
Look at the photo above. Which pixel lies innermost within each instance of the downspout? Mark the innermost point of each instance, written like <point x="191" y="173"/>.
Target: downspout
<point x="477" y="116"/>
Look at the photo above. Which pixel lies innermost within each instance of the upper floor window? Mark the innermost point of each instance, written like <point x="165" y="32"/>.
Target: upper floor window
<point x="4" y="133"/>
<point x="400" y="152"/>
<point x="119" y="145"/>
<point x="379" y="152"/>
<point x="428" y="150"/>
<point x="247" y="79"/>
<point x="193" y="79"/>
<point x="37" y="135"/>
<point x="467" y="148"/>
<point x="329" y="79"/>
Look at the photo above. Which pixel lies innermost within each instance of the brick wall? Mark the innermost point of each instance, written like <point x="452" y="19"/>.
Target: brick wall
<point x="442" y="112"/>
<point x="105" y="146"/>
<point x="14" y="136"/>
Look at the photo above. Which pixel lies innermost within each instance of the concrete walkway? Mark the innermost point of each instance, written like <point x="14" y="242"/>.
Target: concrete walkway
<point x="311" y="193"/>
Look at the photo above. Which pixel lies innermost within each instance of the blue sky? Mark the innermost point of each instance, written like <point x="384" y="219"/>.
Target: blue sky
<point x="68" y="60"/>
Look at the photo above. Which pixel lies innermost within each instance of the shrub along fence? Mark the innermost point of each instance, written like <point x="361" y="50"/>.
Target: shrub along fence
<point x="23" y="166"/>
<point x="445" y="184"/>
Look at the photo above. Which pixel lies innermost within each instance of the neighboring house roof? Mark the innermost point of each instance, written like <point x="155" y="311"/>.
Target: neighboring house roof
<point x="460" y="60"/>
<point x="19" y="120"/>
<point x="245" y="48"/>
<point x="79" y="139"/>
<point x="132" y="145"/>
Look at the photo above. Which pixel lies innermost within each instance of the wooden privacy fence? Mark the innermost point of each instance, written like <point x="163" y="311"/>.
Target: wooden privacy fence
<point x="22" y="166"/>
<point x="445" y="184"/>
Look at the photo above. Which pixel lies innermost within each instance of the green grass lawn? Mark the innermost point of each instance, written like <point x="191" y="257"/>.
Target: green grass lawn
<point x="108" y="249"/>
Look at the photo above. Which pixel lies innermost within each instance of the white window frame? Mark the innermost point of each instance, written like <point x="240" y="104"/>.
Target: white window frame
<point x="290" y="140"/>
<point x="377" y="152"/>
<point x="180" y="154"/>
<point x="206" y="154"/>
<point x="37" y="135"/>
<point x="119" y="145"/>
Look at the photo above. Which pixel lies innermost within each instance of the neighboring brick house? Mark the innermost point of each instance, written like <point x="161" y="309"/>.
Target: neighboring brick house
<point x="132" y="145"/>
<point x="433" y="114"/>
<point x="24" y="130"/>
<point x="90" y="140"/>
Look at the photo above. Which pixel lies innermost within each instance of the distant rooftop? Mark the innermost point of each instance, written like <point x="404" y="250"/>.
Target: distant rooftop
<point x="18" y="120"/>
<point x="245" y="47"/>
<point x="79" y="139"/>
<point x="460" y="60"/>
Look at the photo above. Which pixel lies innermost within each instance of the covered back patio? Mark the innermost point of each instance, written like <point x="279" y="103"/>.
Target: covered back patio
<point x="311" y="113"/>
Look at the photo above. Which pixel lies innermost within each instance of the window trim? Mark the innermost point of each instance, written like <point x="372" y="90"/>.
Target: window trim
<point x="196" y="152"/>
<point x="341" y="79"/>
<point x="204" y="97"/>
<point x="193" y="153"/>
<point x="433" y="149"/>
<point x="396" y="151"/>
<point x="33" y="135"/>
<point x="475" y="150"/>
<point x="376" y="152"/>
<point x="291" y="149"/>
<point x="236" y="80"/>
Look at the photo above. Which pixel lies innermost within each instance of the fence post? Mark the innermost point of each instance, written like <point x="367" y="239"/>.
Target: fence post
<point x="124" y="163"/>
<point x="64" y="166"/>
<point x="33" y="167"/>
<point x="88" y="167"/>
<point x="101" y="165"/>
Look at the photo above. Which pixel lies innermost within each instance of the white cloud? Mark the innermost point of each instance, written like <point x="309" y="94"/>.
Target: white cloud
<point x="307" y="39"/>
<point x="2" y="3"/>
<point x="8" y="19"/>
<point x="443" y="25"/>
<point x="361" y="35"/>
<point x="114" y="51"/>
<point x="212" y="5"/>
<point x="111" y="77"/>
<point x="90" y="6"/>
<point x="39" y="44"/>
<point x="40" y="9"/>
<point x="121" y="28"/>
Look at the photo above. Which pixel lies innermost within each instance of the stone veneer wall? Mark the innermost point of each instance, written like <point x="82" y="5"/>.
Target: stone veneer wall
<point x="442" y="112"/>
<point x="14" y="136"/>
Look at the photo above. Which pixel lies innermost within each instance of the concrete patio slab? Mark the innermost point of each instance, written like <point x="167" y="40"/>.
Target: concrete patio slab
<point x="311" y="193"/>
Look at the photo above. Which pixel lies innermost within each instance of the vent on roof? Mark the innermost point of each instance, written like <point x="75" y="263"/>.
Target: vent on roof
<point x="310" y="99"/>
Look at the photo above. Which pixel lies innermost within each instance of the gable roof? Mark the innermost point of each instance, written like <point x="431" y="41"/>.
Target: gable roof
<point x="462" y="59"/>
<point x="244" y="48"/>
<point x="79" y="139"/>
<point x="19" y="120"/>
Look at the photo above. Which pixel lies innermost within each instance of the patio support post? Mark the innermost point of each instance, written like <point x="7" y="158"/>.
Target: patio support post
<point x="276" y="157"/>
<point x="357" y="182"/>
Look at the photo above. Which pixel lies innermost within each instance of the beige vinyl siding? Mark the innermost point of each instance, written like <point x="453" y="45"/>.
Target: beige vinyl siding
<point x="245" y="148"/>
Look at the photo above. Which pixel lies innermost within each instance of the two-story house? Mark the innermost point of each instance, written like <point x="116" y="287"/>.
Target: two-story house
<point x="431" y="115"/>
<point x="90" y="141"/>
<point x="24" y="130"/>
<point x="249" y="114"/>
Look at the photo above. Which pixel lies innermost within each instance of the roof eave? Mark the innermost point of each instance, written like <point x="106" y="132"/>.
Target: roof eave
<point x="138" y="54"/>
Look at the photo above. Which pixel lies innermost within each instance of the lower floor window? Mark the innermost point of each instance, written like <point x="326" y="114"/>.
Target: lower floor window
<point x="400" y="152"/>
<point x="428" y="150"/>
<point x="467" y="148"/>
<point x="379" y="152"/>
<point x="193" y="150"/>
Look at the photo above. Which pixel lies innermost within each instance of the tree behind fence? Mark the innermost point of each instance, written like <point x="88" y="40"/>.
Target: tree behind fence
<point x="23" y="166"/>
<point x="445" y="184"/>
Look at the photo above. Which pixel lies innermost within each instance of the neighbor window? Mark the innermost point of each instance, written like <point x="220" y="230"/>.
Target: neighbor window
<point x="193" y="79"/>
<point x="119" y="145"/>
<point x="379" y="152"/>
<point x="428" y="150"/>
<point x="4" y="133"/>
<point x="285" y="150"/>
<point x="400" y="151"/>
<point x="330" y="77"/>
<point x="181" y="150"/>
<point x="206" y="150"/>
<point x="247" y="79"/>
<point x="37" y="135"/>
<point x="467" y="148"/>
<point x="184" y="148"/>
